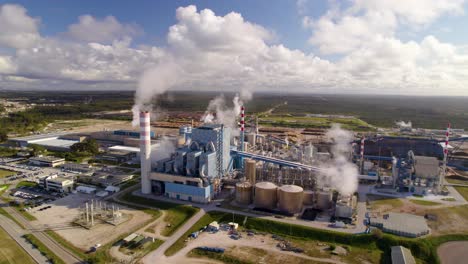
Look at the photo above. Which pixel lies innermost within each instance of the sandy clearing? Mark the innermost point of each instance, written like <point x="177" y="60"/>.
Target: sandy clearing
<point x="453" y="252"/>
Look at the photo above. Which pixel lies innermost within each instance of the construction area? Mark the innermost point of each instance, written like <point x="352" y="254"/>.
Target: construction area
<point x="67" y="217"/>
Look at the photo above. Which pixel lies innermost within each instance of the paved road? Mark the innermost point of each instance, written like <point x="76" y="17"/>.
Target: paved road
<point x="156" y="255"/>
<point x="64" y="254"/>
<point x="17" y="233"/>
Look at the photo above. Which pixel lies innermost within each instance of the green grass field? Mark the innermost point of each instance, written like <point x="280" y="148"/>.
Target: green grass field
<point x="296" y="121"/>
<point x="5" y="173"/>
<point x="11" y="252"/>
<point x="26" y="184"/>
<point x="463" y="191"/>
<point x="49" y="254"/>
<point x="176" y="214"/>
<point x="423" y="202"/>
<point x="377" y="202"/>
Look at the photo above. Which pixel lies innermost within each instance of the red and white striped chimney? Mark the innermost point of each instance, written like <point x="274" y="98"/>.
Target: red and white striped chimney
<point x="447" y="134"/>
<point x="145" y="152"/>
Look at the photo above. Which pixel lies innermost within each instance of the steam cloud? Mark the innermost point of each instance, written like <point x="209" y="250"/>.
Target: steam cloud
<point x="154" y="82"/>
<point x="340" y="173"/>
<point x="218" y="112"/>
<point x="403" y="124"/>
<point x="163" y="150"/>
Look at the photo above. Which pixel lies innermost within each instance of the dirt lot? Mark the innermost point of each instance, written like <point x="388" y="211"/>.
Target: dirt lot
<point x="453" y="252"/>
<point x="450" y="219"/>
<point x="262" y="248"/>
<point x="63" y="212"/>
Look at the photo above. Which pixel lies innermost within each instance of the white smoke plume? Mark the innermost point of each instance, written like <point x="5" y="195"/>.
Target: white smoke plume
<point x="220" y="113"/>
<point x="340" y="173"/>
<point x="154" y="82"/>
<point x="403" y="124"/>
<point x="163" y="150"/>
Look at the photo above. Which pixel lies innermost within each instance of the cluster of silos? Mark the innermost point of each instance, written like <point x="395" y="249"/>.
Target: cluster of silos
<point x="250" y="170"/>
<point x="265" y="195"/>
<point x="290" y="198"/>
<point x="244" y="193"/>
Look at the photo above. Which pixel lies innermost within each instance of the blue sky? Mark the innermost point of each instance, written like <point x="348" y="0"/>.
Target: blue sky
<point x="348" y="46"/>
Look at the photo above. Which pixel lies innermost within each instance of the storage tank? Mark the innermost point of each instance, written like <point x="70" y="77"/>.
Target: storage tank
<point x="244" y="193"/>
<point x="290" y="198"/>
<point x="250" y="170"/>
<point x="308" y="197"/>
<point x="324" y="200"/>
<point x="265" y="195"/>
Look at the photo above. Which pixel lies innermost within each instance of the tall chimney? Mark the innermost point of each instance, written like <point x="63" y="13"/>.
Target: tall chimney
<point x="145" y="152"/>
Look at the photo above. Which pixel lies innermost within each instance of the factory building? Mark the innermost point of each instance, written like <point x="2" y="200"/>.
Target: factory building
<point x="47" y="161"/>
<point x="193" y="171"/>
<point x="58" y="184"/>
<point x="54" y="142"/>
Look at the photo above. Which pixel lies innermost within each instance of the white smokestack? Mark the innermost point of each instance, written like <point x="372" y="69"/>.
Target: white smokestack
<point x="145" y="152"/>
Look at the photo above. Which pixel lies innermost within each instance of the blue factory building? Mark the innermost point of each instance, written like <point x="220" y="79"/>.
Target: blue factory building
<point x="193" y="171"/>
<point x="130" y="133"/>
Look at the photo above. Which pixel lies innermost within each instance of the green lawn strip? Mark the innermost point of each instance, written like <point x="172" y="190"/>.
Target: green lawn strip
<point x="463" y="191"/>
<point x="11" y="252"/>
<point x="424" y="202"/>
<point x="77" y="251"/>
<point x="4" y="173"/>
<point x="5" y="213"/>
<point x="3" y="188"/>
<point x="50" y="255"/>
<point x="26" y="184"/>
<point x="26" y="215"/>
<point x="223" y="257"/>
<point x="176" y="214"/>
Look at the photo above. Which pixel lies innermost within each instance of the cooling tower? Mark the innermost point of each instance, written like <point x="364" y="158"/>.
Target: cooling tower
<point x="145" y="152"/>
<point x="290" y="198"/>
<point x="265" y="195"/>
<point x="244" y="193"/>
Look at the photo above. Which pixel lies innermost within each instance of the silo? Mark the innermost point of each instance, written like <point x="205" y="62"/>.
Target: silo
<point x="324" y="200"/>
<point x="244" y="193"/>
<point x="251" y="138"/>
<point x="250" y="170"/>
<point x="265" y="195"/>
<point x="290" y="198"/>
<point x="308" y="197"/>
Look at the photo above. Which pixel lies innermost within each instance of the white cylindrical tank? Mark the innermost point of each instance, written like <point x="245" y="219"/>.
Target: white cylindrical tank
<point x="244" y="193"/>
<point x="251" y="138"/>
<point x="324" y="200"/>
<point x="265" y="195"/>
<point x="308" y="197"/>
<point x="250" y="170"/>
<point x="290" y="198"/>
<point x="145" y="152"/>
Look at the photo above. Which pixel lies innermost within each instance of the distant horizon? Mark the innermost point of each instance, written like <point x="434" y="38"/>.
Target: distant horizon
<point x="292" y="93"/>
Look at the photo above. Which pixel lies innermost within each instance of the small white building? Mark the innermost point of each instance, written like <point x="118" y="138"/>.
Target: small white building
<point x="58" y="184"/>
<point x="112" y="189"/>
<point x="213" y="226"/>
<point x="85" y="189"/>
